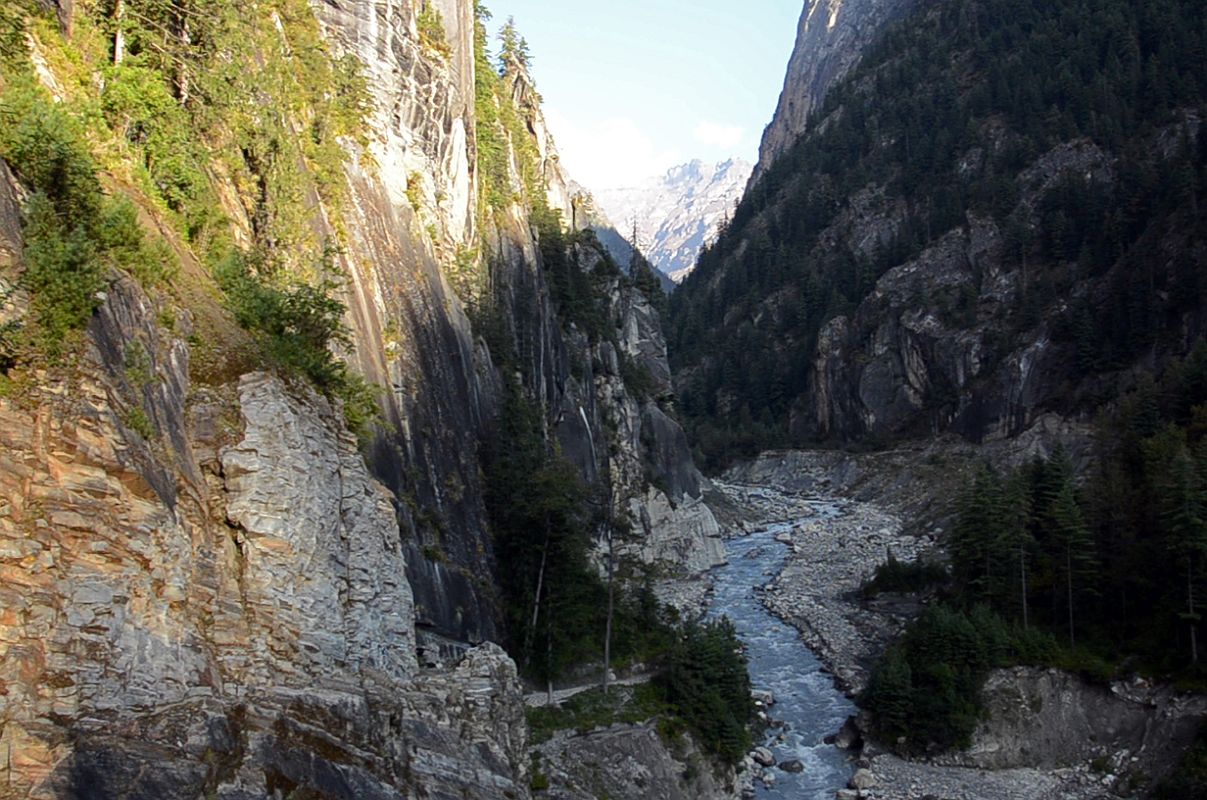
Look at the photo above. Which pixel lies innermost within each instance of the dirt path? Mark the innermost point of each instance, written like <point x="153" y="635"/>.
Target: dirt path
<point x="560" y="695"/>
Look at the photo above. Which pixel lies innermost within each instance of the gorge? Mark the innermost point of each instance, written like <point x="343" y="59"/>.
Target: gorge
<point x="332" y="424"/>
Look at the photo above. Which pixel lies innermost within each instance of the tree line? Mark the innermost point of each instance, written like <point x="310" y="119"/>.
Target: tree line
<point x="1103" y="572"/>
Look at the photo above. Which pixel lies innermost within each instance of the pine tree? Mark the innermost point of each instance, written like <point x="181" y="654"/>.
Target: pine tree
<point x="978" y="544"/>
<point x="513" y="50"/>
<point x="1016" y="536"/>
<point x="1078" y="561"/>
<point x="1182" y="510"/>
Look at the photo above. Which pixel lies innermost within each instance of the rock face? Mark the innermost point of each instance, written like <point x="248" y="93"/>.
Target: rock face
<point x="650" y="463"/>
<point x="424" y="103"/>
<point x="678" y="213"/>
<point x="220" y="609"/>
<point x="830" y="38"/>
<point x="317" y="540"/>
<point x="410" y="332"/>
<point x="629" y="761"/>
<point x="1049" y="718"/>
<point x="209" y="588"/>
<point x="907" y="361"/>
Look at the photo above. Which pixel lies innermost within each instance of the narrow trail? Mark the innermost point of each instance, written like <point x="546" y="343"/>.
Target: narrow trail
<point x="542" y="698"/>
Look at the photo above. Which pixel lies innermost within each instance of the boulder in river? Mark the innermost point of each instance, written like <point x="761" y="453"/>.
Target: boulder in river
<point x="849" y="736"/>
<point x="763" y="756"/>
<point x="862" y="779"/>
<point x="792" y="765"/>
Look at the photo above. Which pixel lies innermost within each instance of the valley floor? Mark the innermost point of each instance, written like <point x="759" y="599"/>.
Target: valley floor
<point x="817" y="592"/>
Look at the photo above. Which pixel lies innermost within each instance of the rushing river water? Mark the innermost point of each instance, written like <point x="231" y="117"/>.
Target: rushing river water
<point x="805" y="696"/>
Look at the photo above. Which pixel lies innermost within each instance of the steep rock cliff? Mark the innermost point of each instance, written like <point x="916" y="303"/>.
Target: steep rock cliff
<point x="830" y="39"/>
<point x="410" y="332"/>
<point x="210" y="587"/>
<point x="217" y="597"/>
<point x="617" y="434"/>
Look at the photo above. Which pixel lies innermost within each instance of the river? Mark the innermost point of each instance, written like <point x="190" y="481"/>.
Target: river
<point x="805" y="696"/>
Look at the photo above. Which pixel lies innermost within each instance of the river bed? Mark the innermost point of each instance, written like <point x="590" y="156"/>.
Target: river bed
<point x="806" y="699"/>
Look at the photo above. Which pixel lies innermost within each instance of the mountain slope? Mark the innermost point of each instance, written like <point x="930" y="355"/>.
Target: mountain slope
<point x="993" y="217"/>
<point x="678" y="213"/>
<point x="270" y="282"/>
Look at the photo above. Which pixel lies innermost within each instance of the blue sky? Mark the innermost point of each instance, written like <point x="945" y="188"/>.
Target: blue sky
<point x="633" y="87"/>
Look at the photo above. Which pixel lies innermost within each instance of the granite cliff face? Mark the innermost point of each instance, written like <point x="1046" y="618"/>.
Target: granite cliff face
<point x="210" y="588"/>
<point x="830" y="39"/>
<point x="615" y="433"/>
<point x="413" y="335"/>
<point x="410" y="332"/>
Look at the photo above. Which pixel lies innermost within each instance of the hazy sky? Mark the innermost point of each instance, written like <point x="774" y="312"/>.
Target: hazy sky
<point x="633" y="87"/>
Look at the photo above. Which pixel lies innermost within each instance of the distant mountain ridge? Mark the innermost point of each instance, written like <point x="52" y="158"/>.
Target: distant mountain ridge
<point x="677" y="213"/>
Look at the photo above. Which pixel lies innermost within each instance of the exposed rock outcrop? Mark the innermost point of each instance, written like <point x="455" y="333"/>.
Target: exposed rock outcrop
<point x="316" y="540"/>
<point x="410" y="331"/>
<point x="1049" y="718"/>
<point x="629" y="761"/>
<point x="218" y="607"/>
<point x="925" y="352"/>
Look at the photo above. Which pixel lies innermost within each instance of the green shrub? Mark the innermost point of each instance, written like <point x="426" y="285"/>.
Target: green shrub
<point x="137" y="420"/>
<point x="415" y="191"/>
<point x="12" y="28"/>
<point x="9" y="331"/>
<point x="139" y="370"/>
<point x="431" y="29"/>
<point x="140" y="109"/>
<point x="47" y="148"/>
<point x="636" y="377"/>
<point x="151" y="261"/>
<point x="72" y="230"/>
<point x="62" y="272"/>
<point x="539" y="781"/>
<point x="435" y="554"/>
<point x="296" y="325"/>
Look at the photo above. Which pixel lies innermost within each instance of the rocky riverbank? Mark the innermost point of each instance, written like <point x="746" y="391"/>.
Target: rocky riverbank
<point x="1049" y="734"/>
<point x="818" y="592"/>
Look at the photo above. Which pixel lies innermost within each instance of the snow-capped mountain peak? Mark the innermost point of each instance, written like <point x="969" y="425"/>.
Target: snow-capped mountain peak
<point x="679" y="212"/>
